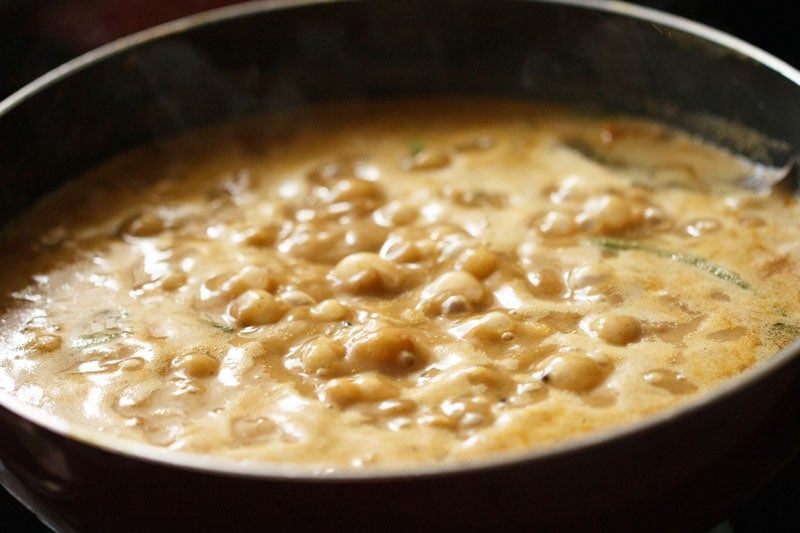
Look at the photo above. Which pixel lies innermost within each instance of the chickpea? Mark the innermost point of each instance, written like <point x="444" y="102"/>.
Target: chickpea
<point x="490" y="327"/>
<point x="365" y="236"/>
<point x="527" y="393"/>
<point x="349" y="390"/>
<point x="256" y="307"/>
<point x="296" y="298"/>
<point x="358" y="192"/>
<point x="453" y="245"/>
<point x="396" y="407"/>
<point x="253" y="430"/>
<point x="546" y="282"/>
<point x="606" y="213"/>
<point x="404" y="250"/>
<point x="468" y="411"/>
<point x="591" y="280"/>
<point x="388" y="349"/>
<point x="454" y="291"/>
<point x="330" y="310"/>
<point x="616" y="329"/>
<point x="45" y="342"/>
<point x="395" y="213"/>
<point x="323" y="241"/>
<point x="197" y="365"/>
<point x="496" y="381"/>
<point x="322" y="356"/>
<point x="573" y="371"/>
<point x="479" y="262"/>
<point x="228" y="286"/>
<point x="556" y="224"/>
<point x="309" y="240"/>
<point x="367" y="273"/>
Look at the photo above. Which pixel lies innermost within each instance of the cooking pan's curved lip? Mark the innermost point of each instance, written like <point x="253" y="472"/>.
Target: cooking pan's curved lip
<point x="177" y="26"/>
<point x="321" y="474"/>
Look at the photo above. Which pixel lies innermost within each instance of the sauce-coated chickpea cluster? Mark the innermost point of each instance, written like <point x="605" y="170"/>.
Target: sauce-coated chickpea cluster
<point x="396" y="283"/>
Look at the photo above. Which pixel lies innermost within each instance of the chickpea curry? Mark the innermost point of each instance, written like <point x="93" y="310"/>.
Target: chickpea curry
<point x="396" y="283"/>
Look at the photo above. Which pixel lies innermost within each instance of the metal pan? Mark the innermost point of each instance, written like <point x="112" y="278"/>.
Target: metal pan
<point x="684" y="469"/>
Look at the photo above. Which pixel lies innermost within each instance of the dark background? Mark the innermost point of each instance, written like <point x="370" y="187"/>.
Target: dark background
<point x="37" y="35"/>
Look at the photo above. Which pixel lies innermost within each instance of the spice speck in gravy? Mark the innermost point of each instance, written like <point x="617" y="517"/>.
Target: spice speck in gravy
<point x="396" y="283"/>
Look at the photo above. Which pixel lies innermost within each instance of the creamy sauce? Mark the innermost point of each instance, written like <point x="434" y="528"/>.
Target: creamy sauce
<point x="395" y="283"/>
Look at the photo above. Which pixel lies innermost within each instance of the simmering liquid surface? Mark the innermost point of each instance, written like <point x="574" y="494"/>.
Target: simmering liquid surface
<point x="395" y="283"/>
